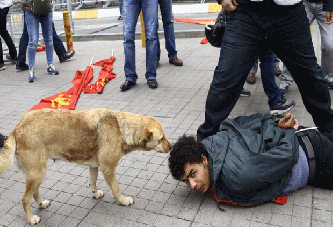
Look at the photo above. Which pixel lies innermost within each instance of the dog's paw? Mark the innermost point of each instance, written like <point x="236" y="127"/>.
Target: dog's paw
<point x="45" y="204"/>
<point x="126" y="201"/>
<point x="98" y="194"/>
<point x="34" y="220"/>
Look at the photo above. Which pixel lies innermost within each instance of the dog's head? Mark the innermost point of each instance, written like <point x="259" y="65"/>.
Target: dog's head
<point x="154" y="138"/>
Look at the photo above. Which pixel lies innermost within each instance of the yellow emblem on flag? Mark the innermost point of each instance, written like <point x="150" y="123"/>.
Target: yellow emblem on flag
<point x="61" y="101"/>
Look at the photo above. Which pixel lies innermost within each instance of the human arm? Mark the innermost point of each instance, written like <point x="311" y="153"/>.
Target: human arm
<point x="329" y="17"/>
<point x="229" y="5"/>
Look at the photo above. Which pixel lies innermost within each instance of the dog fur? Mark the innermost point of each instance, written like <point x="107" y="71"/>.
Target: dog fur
<point x="97" y="138"/>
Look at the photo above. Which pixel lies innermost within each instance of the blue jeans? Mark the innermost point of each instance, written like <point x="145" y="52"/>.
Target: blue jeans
<point x="57" y="43"/>
<point x="121" y="7"/>
<point x="32" y="21"/>
<point x="169" y="33"/>
<point x="5" y="35"/>
<point x="284" y="30"/>
<point x="276" y="62"/>
<point x="131" y="11"/>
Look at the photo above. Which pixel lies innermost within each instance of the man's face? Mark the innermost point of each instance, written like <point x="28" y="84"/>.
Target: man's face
<point x="197" y="176"/>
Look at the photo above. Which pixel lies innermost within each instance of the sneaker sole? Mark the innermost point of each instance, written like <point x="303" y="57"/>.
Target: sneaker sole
<point x="280" y="112"/>
<point x="52" y="73"/>
<point x="30" y="81"/>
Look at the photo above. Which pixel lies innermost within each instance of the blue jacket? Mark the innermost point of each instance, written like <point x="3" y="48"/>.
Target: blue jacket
<point x="251" y="159"/>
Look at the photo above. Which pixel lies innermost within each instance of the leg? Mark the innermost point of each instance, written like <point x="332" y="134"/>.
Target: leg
<point x="21" y="58"/>
<point x="285" y="80"/>
<point x="131" y="10"/>
<point x="93" y="179"/>
<point x="109" y="172"/>
<point x="4" y="33"/>
<point x="34" y="177"/>
<point x="32" y="23"/>
<point x="241" y="41"/>
<point x="149" y="11"/>
<point x="251" y="78"/>
<point x="292" y="43"/>
<point x="169" y="34"/>
<point x="46" y="24"/>
<point x="57" y="43"/>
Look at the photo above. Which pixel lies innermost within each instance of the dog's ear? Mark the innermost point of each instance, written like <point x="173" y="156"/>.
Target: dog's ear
<point x="145" y="135"/>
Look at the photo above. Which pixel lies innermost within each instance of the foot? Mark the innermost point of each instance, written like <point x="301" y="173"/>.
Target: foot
<point x="31" y="75"/>
<point x="45" y="204"/>
<point x="126" y="201"/>
<point x="277" y="71"/>
<point x="66" y="56"/>
<point x="127" y="85"/>
<point x="120" y="18"/>
<point x="283" y="89"/>
<point x="51" y="70"/>
<point x="282" y="107"/>
<point x="34" y="220"/>
<point x="2" y="67"/>
<point x="98" y="194"/>
<point x="152" y="83"/>
<point x="176" y="61"/>
<point x="157" y="63"/>
<point x="21" y="66"/>
<point x="245" y="93"/>
<point x="329" y="79"/>
<point x="9" y="58"/>
<point x="251" y="78"/>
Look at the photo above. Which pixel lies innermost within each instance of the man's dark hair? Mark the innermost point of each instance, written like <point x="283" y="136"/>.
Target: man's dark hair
<point x="186" y="149"/>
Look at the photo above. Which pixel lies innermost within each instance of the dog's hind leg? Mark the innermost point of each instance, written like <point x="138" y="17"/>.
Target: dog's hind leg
<point x="34" y="179"/>
<point x="93" y="179"/>
<point x="111" y="180"/>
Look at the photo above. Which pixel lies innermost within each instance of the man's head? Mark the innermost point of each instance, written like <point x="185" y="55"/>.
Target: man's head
<point x="188" y="162"/>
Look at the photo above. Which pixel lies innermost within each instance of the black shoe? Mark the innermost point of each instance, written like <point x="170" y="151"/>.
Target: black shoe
<point x="66" y="56"/>
<point x="152" y="83"/>
<point x="22" y="66"/>
<point x="282" y="107"/>
<point x="127" y="85"/>
<point x="12" y="60"/>
<point x="120" y="18"/>
<point x="245" y="93"/>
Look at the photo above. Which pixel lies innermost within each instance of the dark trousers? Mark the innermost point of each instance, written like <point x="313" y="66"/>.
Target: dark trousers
<point x="24" y="41"/>
<point x="284" y="30"/>
<point x="5" y="35"/>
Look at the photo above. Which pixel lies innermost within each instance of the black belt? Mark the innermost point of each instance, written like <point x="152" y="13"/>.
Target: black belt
<point x="310" y="152"/>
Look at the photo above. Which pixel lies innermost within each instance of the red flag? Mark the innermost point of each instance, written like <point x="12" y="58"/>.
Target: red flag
<point x="204" y="41"/>
<point x="105" y="74"/>
<point x="67" y="100"/>
<point x="195" y="21"/>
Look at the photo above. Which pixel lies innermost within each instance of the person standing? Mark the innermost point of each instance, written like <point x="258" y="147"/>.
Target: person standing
<point x="316" y="10"/>
<point x="169" y="34"/>
<point x="131" y="11"/>
<point x="283" y="27"/>
<point x="4" y="9"/>
<point x="120" y="9"/>
<point x="59" y="48"/>
<point x="32" y="21"/>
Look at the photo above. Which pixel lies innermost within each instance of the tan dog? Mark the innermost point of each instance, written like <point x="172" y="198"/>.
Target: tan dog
<point x="94" y="138"/>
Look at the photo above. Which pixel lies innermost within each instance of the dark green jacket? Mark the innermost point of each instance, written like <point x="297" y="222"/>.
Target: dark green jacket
<point x="251" y="159"/>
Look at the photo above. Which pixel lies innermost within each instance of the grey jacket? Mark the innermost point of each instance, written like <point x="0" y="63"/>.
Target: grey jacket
<point x="251" y="159"/>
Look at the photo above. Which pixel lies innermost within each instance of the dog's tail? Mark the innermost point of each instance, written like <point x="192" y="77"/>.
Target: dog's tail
<point x="7" y="153"/>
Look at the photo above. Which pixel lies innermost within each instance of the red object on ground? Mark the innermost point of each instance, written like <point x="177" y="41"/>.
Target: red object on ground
<point x="68" y="99"/>
<point x="204" y="41"/>
<point x="195" y="21"/>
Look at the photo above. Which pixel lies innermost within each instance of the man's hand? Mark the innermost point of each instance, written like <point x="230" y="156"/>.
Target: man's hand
<point x="229" y="5"/>
<point x="289" y="121"/>
<point x="329" y="17"/>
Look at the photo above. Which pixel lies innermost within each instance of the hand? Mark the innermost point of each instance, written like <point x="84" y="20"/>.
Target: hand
<point x="289" y="121"/>
<point x="329" y="17"/>
<point x="229" y="5"/>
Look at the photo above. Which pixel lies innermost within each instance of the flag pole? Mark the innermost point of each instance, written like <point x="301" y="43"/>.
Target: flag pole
<point x="91" y="61"/>
<point x="112" y="53"/>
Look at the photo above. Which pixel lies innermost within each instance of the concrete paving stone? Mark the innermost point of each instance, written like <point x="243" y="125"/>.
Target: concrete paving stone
<point x="77" y="170"/>
<point x="319" y="193"/>
<point x="147" y="218"/>
<point x="163" y="220"/>
<point x="146" y="194"/>
<point x="66" y="209"/>
<point x="79" y="213"/>
<point x="75" y="200"/>
<point x="187" y="214"/>
<point x="286" y="209"/>
<point x="259" y="224"/>
<point x="127" y="180"/>
<point x="239" y="223"/>
<point x="70" y="222"/>
<point x="321" y="204"/>
<point x="300" y="222"/>
<point x="300" y="211"/>
<point x="182" y="190"/>
<point x="100" y="219"/>
<point x="60" y="186"/>
<point x="154" y="207"/>
<point x="281" y="220"/>
<point x="132" y="191"/>
<point x="89" y="203"/>
<point x="81" y="180"/>
<point x="303" y="201"/>
<point x="132" y="172"/>
<point x="171" y="210"/>
<point x="321" y="215"/>
<point x="321" y="224"/>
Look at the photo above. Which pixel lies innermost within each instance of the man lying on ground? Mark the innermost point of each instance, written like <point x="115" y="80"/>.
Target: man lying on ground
<point x="254" y="159"/>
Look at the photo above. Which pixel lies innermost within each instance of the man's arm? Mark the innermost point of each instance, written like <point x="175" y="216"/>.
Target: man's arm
<point x="229" y="5"/>
<point x="289" y="121"/>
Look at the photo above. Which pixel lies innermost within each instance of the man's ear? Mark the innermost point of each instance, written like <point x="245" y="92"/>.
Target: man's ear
<point x="204" y="159"/>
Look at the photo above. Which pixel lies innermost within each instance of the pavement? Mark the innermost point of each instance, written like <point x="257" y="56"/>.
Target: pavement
<point x="178" y="103"/>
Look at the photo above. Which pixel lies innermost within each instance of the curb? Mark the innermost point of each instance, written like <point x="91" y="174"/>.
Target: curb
<point x="120" y="36"/>
<point x="176" y="9"/>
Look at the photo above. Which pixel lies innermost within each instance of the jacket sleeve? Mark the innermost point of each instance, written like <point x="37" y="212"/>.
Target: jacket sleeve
<point x="278" y="155"/>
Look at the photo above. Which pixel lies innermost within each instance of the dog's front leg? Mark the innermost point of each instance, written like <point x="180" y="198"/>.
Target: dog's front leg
<point x="93" y="179"/>
<point x="111" y="180"/>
